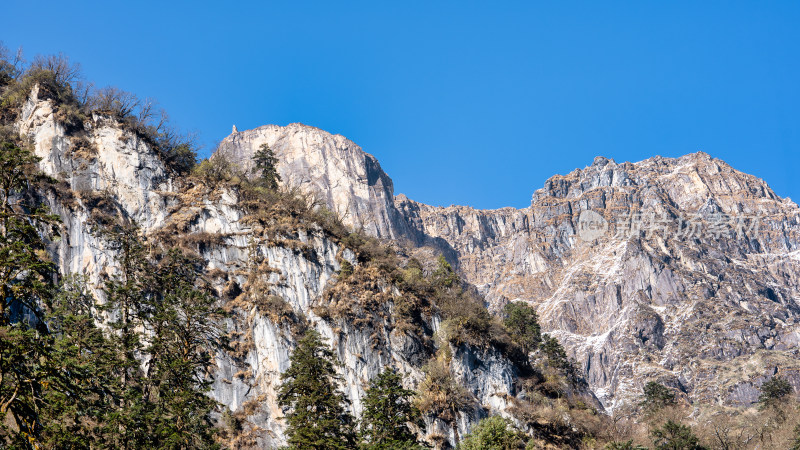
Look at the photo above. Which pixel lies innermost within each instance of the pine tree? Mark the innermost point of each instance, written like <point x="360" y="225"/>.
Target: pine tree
<point x="387" y="412"/>
<point x="522" y="324"/>
<point x="26" y="275"/>
<point x="186" y="334"/>
<point x="674" y="436"/>
<point x="83" y="365"/>
<point x="265" y="164"/>
<point x="316" y="413"/>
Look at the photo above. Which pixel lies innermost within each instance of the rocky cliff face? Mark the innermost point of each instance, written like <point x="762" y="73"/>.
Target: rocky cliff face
<point x="341" y="175"/>
<point x="105" y="169"/>
<point x="691" y="278"/>
<point x="685" y="271"/>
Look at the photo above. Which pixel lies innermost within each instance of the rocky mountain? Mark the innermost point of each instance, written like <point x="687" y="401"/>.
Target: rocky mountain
<point x="680" y="270"/>
<point x="342" y="176"/>
<point x="276" y="277"/>
<point x="693" y="280"/>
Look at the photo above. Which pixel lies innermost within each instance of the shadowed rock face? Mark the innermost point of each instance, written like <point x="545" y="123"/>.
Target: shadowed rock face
<point x="690" y="301"/>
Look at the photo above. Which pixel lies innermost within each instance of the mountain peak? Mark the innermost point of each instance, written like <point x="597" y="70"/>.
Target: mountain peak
<point x="602" y="161"/>
<point x="347" y="180"/>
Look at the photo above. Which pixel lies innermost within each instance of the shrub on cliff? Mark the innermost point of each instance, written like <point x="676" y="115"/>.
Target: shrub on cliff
<point x="656" y="397"/>
<point x="466" y="321"/>
<point x="214" y="171"/>
<point x="796" y="438"/>
<point x="624" y="445"/>
<point x="675" y="436"/>
<point x="494" y="433"/>
<point x="9" y="65"/>
<point x="60" y="81"/>
<point x="440" y="395"/>
<point x="773" y="391"/>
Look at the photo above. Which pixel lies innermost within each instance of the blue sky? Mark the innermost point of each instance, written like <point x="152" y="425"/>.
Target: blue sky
<point x="461" y="102"/>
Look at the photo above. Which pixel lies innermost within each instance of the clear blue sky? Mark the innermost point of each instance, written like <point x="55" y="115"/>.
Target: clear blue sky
<point x="462" y="103"/>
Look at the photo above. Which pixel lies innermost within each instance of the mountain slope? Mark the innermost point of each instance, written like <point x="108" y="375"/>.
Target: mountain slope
<point x="695" y="277"/>
<point x="710" y="313"/>
<point x="275" y="267"/>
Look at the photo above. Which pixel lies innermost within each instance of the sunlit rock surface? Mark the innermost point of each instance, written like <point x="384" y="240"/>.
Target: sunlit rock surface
<point x="712" y="312"/>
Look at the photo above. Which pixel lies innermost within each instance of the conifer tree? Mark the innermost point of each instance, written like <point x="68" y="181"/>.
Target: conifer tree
<point x="25" y="271"/>
<point x="387" y="412"/>
<point x="56" y="367"/>
<point x="186" y="333"/>
<point x="675" y="436"/>
<point x="265" y="164"/>
<point x="127" y="304"/>
<point x="26" y="275"/>
<point x="83" y="372"/>
<point x="657" y="397"/>
<point x="165" y="314"/>
<point x="773" y="391"/>
<point x="444" y="276"/>
<point x="64" y="382"/>
<point x="316" y="412"/>
<point x="557" y="357"/>
<point x="522" y="323"/>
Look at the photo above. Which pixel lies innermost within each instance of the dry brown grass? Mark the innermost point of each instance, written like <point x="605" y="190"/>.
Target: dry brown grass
<point x="240" y="345"/>
<point x="81" y="147"/>
<point x="236" y="431"/>
<point x="104" y="212"/>
<point x="439" y="395"/>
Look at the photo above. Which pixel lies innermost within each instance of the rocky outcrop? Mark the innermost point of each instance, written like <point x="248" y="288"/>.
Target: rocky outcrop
<point x="103" y="162"/>
<point x="343" y="177"/>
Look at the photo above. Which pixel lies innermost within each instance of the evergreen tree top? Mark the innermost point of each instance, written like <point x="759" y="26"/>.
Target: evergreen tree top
<point x="316" y="410"/>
